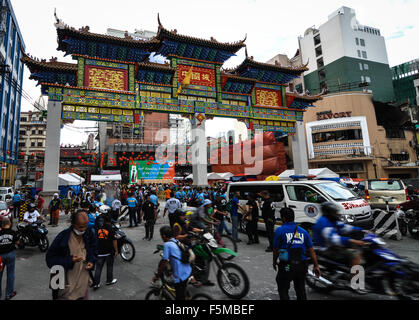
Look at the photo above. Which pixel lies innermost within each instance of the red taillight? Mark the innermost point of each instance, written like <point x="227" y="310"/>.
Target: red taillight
<point x="398" y="207"/>
<point x="367" y="195"/>
<point x="407" y="195"/>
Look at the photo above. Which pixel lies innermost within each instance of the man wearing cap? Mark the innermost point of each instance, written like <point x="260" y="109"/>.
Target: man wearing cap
<point x="172" y="205"/>
<point x="200" y="219"/>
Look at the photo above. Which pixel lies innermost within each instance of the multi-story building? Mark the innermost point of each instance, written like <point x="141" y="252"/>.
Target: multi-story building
<point x="344" y="55"/>
<point x="32" y="138"/>
<point x="404" y="82"/>
<point x="355" y="136"/>
<point x="11" y="79"/>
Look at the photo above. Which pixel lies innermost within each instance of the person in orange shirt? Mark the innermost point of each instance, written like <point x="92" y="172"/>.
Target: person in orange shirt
<point x="168" y="193"/>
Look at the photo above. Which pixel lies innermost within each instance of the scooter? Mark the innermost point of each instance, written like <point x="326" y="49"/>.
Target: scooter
<point x="125" y="246"/>
<point x="384" y="272"/>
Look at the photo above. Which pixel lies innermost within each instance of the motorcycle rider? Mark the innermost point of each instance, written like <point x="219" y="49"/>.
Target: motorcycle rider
<point x="200" y="219"/>
<point x="31" y="216"/>
<point x="333" y="237"/>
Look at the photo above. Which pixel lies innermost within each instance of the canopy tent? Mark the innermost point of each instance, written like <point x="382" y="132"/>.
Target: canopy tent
<point x="321" y="174"/>
<point x="214" y="176"/>
<point x="106" y="178"/>
<point x="226" y="175"/>
<point x="66" y="182"/>
<point x="80" y="179"/>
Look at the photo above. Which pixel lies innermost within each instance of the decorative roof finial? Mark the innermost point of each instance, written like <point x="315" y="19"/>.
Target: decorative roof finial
<point x="158" y="20"/>
<point x="245" y="38"/>
<point x="58" y="24"/>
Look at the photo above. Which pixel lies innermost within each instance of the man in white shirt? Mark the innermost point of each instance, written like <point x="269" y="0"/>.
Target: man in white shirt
<point x="172" y="205"/>
<point x="31" y="216"/>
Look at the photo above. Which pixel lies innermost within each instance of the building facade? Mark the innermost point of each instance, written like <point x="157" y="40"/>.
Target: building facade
<point x="346" y="134"/>
<point x="32" y="139"/>
<point x="404" y="76"/>
<point x="11" y="79"/>
<point x="344" y="55"/>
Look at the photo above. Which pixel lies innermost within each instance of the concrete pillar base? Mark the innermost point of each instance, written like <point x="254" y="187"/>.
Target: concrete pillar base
<point x="199" y="155"/>
<point x="299" y="150"/>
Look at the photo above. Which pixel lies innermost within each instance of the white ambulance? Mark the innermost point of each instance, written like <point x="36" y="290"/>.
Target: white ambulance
<point x="305" y="197"/>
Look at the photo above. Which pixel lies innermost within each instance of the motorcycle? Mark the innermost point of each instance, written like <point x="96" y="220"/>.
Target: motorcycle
<point x="125" y="246"/>
<point x="231" y="278"/>
<point x="37" y="236"/>
<point x="411" y="216"/>
<point x="385" y="272"/>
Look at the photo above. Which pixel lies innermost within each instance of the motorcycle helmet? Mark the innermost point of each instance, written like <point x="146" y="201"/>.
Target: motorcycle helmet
<point x="32" y="207"/>
<point x="104" y="209"/>
<point x="330" y="210"/>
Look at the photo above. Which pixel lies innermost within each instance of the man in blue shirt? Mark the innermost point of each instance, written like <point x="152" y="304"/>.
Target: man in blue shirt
<point x="296" y="241"/>
<point x="235" y="205"/>
<point x="173" y="255"/>
<point x="16" y="204"/>
<point x="132" y="207"/>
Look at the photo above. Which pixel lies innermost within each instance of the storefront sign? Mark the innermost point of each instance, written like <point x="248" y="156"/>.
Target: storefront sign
<point x="330" y="115"/>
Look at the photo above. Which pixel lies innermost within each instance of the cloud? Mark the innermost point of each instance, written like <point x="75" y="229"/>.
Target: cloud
<point x="400" y="33"/>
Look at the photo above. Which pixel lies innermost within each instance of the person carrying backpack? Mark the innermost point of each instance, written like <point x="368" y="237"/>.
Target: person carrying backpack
<point x="176" y="255"/>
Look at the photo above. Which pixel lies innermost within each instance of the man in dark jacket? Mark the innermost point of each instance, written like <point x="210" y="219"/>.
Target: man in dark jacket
<point x="268" y="215"/>
<point x="75" y="249"/>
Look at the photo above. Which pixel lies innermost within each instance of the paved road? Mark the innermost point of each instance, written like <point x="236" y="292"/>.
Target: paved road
<point x="32" y="275"/>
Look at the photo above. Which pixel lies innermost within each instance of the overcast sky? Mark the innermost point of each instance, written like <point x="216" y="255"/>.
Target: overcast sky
<point x="272" y="27"/>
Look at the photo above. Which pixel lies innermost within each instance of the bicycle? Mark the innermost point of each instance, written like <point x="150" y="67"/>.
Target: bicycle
<point x="164" y="290"/>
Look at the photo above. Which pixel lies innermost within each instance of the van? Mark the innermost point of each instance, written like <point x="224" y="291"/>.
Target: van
<point x="293" y="194"/>
<point x="374" y="189"/>
<point x="6" y="194"/>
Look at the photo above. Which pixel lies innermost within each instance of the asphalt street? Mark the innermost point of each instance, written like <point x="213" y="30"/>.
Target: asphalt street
<point x="134" y="279"/>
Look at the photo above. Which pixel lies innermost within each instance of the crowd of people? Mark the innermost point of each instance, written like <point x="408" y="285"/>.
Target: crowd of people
<point x="89" y="243"/>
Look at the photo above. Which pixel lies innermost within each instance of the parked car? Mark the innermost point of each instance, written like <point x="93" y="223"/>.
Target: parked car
<point x="374" y="189"/>
<point x="5" y="212"/>
<point x="414" y="182"/>
<point x="6" y="194"/>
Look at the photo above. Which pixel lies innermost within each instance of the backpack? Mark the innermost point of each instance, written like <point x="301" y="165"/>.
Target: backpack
<point x="187" y="255"/>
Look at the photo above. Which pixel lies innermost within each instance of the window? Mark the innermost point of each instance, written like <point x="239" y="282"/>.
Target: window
<point x="341" y="135"/>
<point x="23" y="119"/>
<point x="40" y="132"/>
<point x="22" y="144"/>
<point x="22" y="133"/>
<point x="366" y="67"/>
<point x="368" y="79"/>
<point x="276" y="191"/>
<point x="357" y="41"/>
<point x="395" y="133"/>
<point x="33" y="131"/>
<point x="364" y="55"/>
<point x="362" y="41"/>
<point x="400" y="157"/>
<point x="337" y="192"/>
<point x="359" y="53"/>
<point x="384" y="185"/>
<point x="317" y="40"/>
<point x="40" y="144"/>
<point x="32" y="144"/>
<point x="362" y="79"/>
<point x="302" y="194"/>
<point x="360" y="67"/>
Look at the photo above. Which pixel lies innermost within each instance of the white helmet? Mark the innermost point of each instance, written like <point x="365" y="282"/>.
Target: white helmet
<point x="104" y="209"/>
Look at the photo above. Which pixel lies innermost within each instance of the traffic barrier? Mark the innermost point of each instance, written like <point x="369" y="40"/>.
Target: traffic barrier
<point x="23" y="209"/>
<point x="124" y="212"/>
<point x="386" y="225"/>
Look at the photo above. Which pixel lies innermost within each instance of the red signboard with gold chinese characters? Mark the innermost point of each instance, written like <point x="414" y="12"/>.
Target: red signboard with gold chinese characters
<point x="268" y="98"/>
<point x="106" y="78"/>
<point x="200" y="76"/>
